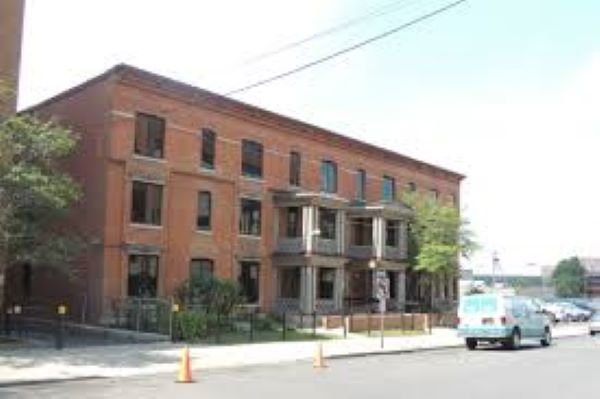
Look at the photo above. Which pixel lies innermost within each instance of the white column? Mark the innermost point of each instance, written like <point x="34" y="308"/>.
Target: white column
<point x="340" y="282"/>
<point x="341" y="230"/>
<point x="378" y="239"/>
<point x="307" y="289"/>
<point x="308" y="227"/>
<point x="401" y="289"/>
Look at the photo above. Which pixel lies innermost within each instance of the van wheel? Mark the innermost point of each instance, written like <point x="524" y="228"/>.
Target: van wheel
<point x="471" y="343"/>
<point x="547" y="340"/>
<point x="514" y="342"/>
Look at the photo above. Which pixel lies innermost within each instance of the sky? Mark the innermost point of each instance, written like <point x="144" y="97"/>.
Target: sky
<point x="506" y="92"/>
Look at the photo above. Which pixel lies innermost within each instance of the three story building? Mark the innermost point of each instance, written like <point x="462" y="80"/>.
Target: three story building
<point x="178" y="181"/>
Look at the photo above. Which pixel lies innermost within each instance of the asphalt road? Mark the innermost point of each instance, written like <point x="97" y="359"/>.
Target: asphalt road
<point x="568" y="369"/>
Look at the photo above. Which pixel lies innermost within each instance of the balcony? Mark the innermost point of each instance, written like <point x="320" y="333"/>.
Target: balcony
<point x="325" y="246"/>
<point x="393" y="253"/>
<point x="290" y="245"/>
<point x="361" y="251"/>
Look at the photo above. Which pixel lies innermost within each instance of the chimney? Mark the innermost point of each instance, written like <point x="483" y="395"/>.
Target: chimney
<point x="11" y="31"/>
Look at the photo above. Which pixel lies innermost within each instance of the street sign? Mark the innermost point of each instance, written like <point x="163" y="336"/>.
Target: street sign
<point x="382" y="285"/>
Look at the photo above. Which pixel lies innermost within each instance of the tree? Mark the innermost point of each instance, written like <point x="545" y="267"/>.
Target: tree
<point x="438" y="237"/>
<point x="568" y="278"/>
<point x="35" y="196"/>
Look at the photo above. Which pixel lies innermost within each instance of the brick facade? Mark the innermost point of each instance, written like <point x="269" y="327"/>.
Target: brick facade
<point x="103" y="111"/>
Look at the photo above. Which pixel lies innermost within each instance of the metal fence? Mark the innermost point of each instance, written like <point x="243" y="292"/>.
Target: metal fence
<point x="243" y="324"/>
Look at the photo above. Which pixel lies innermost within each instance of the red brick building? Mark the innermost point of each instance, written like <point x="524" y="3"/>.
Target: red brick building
<point x="178" y="180"/>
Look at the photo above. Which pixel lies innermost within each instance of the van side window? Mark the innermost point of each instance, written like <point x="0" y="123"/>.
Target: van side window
<point x="518" y="308"/>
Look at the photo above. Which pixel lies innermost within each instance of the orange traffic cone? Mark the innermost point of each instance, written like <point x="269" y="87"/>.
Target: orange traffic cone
<point x="319" y="362"/>
<point x="185" y="368"/>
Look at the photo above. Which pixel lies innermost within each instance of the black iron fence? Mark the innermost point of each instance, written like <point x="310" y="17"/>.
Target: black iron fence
<point x="158" y="317"/>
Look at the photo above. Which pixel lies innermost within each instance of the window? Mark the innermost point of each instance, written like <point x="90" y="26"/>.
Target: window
<point x="392" y="233"/>
<point x="250" y="217"/>
<point x="201" y="269"/>
<point x="143" y="276"/>
<point x="327" y="221"/>
<point x="248" y="279"/>
<point x="326" y="282"/>
<point x="295" y="167"/>
<point x="252" y="159"/>
<point x="362" y="231"/>
<point x="289" y="282"/>
<point x="361" y="184"/>
<point x="388" y="189"/>
<point x="207" y="160"/>
<point x="204" y="211"/>
<point x="328" y="177"/>
<point x="411" y="187"/>
<point x="434" y="194"/>
<point x="146" y="203"/>
<point x="294" y="222"/>
<point x="149" y="135"/>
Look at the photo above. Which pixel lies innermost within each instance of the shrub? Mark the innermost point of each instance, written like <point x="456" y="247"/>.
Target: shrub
<point x="214" y="295"/>
<point x="193" y="325"/>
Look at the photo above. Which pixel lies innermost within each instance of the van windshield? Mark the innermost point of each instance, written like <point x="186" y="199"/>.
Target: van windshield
<point x="479" y="304"/>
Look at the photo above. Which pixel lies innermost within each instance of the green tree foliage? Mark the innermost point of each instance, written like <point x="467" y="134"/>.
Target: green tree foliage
<point x="35" y="196"/>
<point x="568" y="278"/>
<point x="214" y="295"/>
<point x="438" y="236"/>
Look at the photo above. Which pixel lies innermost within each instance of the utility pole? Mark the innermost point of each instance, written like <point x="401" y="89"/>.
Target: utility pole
<point x="495" y="263"/>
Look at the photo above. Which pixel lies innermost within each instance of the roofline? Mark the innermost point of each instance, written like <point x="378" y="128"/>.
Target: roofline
<point x="123" y="73"/>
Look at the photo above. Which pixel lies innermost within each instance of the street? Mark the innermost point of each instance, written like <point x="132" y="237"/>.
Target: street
<point x="568" y="369"/>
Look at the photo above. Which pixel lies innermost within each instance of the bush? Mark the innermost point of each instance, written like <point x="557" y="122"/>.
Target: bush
<point x="193" y="325"/>
<point x="214" y="295"/>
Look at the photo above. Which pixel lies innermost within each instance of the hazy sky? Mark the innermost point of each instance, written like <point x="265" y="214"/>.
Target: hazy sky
<point x="505" y="91"/>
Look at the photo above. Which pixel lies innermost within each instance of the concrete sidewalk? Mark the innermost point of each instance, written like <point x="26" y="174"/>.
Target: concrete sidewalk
<point x="20" y="366"/>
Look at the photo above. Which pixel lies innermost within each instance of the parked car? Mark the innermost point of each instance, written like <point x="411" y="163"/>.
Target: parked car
<point x="547" y="308"/>
<point x="507" y="320"/>
<point x="556" y="312"/>
<point x="574" y="312"/>
<point x="595" y="324"/>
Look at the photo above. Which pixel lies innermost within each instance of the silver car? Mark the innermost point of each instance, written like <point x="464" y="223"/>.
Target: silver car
<point x="595" y="324"/>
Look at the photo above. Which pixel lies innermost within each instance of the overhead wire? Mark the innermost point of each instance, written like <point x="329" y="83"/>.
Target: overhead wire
<point x="379" y="12"/>
<point x="346" y="50"/>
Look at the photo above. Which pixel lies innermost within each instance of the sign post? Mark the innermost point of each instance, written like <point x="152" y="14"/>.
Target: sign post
<point x="383" y="293"/>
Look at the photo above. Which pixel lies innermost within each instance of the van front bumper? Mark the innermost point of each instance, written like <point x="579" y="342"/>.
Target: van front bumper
<point x="484" y="331"/>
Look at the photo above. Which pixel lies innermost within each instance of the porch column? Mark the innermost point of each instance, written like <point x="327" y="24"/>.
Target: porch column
<point x="378" y="237"/>
<point x="308" y="227"/>
<point x="307" y="289"/>
<point x="401" y="289"/>
<point x="340" y="279"/>
<point x="341" y="229"/>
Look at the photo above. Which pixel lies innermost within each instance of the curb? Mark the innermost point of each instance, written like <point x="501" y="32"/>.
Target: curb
<point x="49" y="381"/>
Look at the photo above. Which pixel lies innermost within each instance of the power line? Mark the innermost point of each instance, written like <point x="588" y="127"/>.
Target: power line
<point x="347" y="49"/>
<point x="381" y="11"/>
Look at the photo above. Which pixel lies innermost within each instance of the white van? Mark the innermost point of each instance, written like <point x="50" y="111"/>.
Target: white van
<point x="497" y="318"/>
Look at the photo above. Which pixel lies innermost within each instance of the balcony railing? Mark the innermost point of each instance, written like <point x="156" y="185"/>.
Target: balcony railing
<point x="361" y="251"/>
<point x="394" y="253"/>
<point x="290" y="245"/>
<point x="326" y="247"/>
